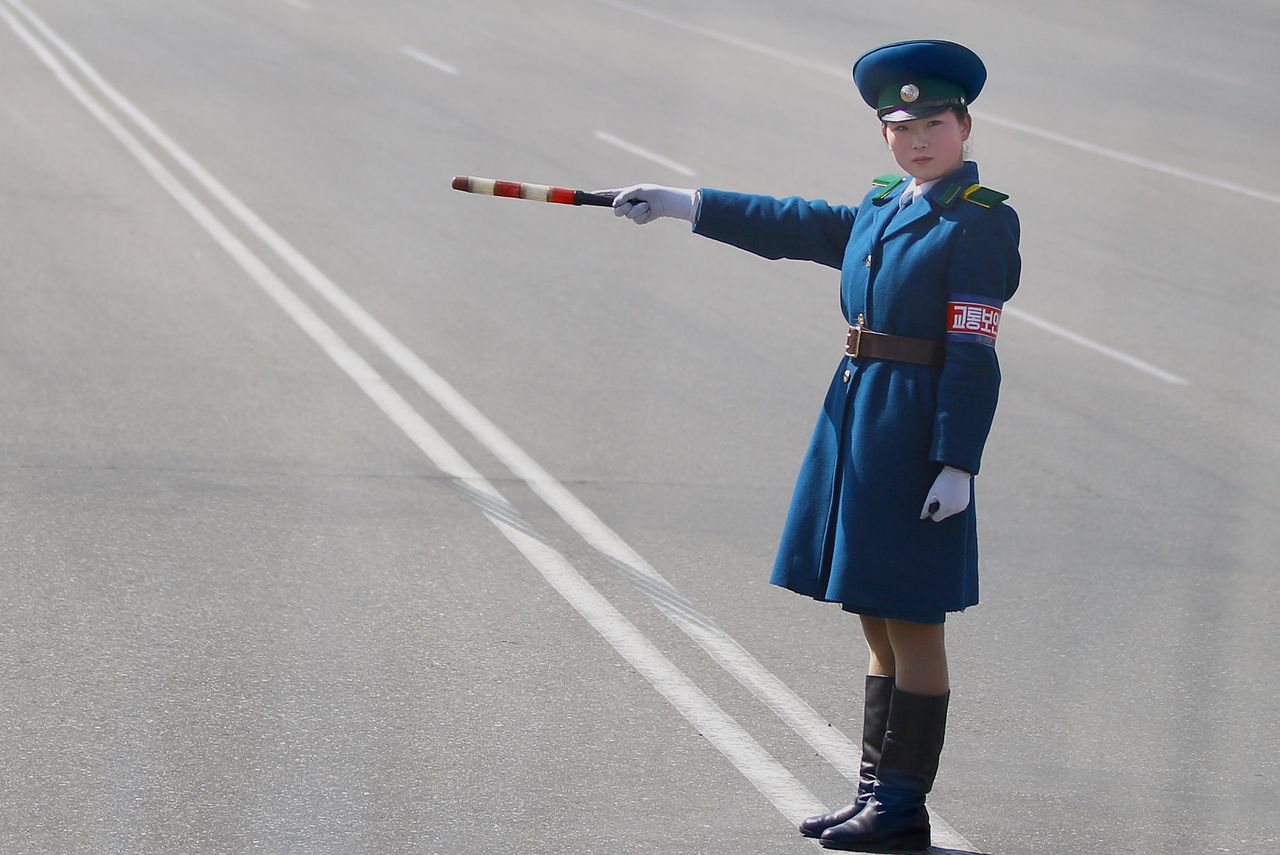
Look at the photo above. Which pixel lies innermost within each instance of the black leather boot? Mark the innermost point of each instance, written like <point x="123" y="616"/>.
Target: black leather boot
<point x="895" y="819"/>
<point x="875" y="717"/>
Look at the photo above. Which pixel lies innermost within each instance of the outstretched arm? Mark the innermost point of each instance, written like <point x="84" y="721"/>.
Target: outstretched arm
<point x="773" y="228"/>
<point x="796" y="228"/>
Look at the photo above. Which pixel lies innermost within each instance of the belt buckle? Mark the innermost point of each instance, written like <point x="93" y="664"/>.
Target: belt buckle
<point x="854" y="341"/>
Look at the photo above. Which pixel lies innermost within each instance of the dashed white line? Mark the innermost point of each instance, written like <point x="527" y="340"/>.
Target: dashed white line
<point x="792" y="799"/>
<point x="847" y="74"/>
<point x="832" y="745"/>
<point x="792" y="709"/>
<point x="728" y="38"/>
<point x="644" y="152"/>
<point x="430" y="60"/>
<point x="1132" y="160"/>
<point x="826" y="739"/>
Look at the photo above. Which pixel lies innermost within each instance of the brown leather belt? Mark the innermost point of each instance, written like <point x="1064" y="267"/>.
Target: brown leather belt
<point x="863" y="343"/>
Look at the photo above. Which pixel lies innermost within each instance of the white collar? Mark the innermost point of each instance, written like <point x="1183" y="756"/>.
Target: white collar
<point x="916" y="191"/>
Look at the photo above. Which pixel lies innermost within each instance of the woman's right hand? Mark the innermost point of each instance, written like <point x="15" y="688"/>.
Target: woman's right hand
<point x="949" y="494"/>
<point x="641" y="203"/>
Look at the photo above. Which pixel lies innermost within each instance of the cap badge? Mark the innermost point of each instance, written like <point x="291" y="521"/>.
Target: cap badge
<point x="909" y="93"/>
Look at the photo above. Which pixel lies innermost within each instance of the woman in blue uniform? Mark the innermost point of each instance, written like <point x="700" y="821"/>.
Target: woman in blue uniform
<point x="882" y="520"/>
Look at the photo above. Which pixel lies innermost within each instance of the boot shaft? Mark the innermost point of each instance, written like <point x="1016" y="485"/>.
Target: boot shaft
<point x="875" y="720"/>
<point x="912" y="747"/>
<point x="895" y="818"/>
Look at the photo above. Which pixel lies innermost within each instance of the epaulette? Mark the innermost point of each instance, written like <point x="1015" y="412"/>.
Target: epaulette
<point x="886" y="183"/>
<point x="983" y="196"/>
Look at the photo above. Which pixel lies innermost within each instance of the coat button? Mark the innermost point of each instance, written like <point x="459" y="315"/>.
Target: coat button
<point x="867" y="261"/>
<point x="847" y="375"/>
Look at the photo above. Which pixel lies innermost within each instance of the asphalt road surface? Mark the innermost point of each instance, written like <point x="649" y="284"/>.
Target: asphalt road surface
<point x="345" y="513"/>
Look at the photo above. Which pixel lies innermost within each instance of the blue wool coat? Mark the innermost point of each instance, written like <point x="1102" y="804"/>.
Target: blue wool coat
<point x="941" y="269"/>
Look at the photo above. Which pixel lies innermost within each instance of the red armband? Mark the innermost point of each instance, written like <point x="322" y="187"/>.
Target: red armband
<point x="973" y="319"/>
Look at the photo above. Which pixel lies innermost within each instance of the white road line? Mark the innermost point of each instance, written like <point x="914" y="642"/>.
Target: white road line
<point x="1118" y="355"/>
<point x="1132" y="160"/>
<point x="827" y="740"/>
<point x="1097" y="347"/>
<point x="847" y="75"/>
<point x="787" y="794"/>
<point x="644" y="152"/>
<point x="429" y="60"/>
<point x="777" y="696"/>
<point x="730" y="39"/>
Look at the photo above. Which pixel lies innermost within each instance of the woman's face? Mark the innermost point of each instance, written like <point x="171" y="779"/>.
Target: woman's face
<point x="928" y="148"/>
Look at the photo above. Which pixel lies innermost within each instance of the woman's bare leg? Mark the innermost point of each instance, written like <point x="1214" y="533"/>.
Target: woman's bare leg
<point x="919" y="656"/>
<point x="877" y="636"/>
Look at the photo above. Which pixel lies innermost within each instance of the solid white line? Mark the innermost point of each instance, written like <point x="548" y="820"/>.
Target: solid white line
<point x="787" y="794"/>
<point x="1118" y="355"/>
<point x="1133" y="160"/>
<point x="429" y="60"/>
<point x="792" y="799"/>
<point x="644" y="152"/>
<point x="827" y="740"/>
<point x="798" y="714"/>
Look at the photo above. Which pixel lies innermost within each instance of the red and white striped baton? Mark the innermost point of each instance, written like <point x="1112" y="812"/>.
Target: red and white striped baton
<point x="536" y="192"/>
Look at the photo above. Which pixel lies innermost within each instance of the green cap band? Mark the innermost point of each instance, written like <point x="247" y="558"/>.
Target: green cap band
<point x="908" y="93"/>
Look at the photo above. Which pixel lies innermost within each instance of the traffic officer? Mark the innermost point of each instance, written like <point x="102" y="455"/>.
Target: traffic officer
<point x="883" y="518"/>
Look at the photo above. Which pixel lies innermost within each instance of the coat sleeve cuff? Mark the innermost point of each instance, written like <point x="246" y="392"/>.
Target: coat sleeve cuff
<point x="707" y="211"/>
<point x="955" y="458"/>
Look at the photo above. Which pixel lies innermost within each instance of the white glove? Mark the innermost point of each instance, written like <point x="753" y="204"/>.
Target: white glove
<point x="641" y="203"/>
<point x="949" y="494"/>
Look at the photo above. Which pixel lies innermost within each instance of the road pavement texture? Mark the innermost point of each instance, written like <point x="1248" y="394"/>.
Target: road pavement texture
<point x="347" y="513"/>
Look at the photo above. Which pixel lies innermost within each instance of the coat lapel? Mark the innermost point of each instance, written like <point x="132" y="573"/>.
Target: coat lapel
<point x="916" y="210"/>
<point x="887" y="213"/>
<point x="939" y="196"/>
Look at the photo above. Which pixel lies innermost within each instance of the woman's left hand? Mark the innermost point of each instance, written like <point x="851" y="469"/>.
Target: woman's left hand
<point x="949" y="494"/>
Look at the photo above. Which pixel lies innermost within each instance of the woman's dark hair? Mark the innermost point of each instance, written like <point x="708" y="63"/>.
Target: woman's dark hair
<point x="962" y="112"/>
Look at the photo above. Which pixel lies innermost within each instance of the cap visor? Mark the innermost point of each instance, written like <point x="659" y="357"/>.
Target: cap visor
<point x="907" y="114"/>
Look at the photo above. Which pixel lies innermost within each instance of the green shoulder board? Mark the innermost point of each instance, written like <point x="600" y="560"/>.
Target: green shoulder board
<point x="886" y="183"/>
<point x="984" y="196"/>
